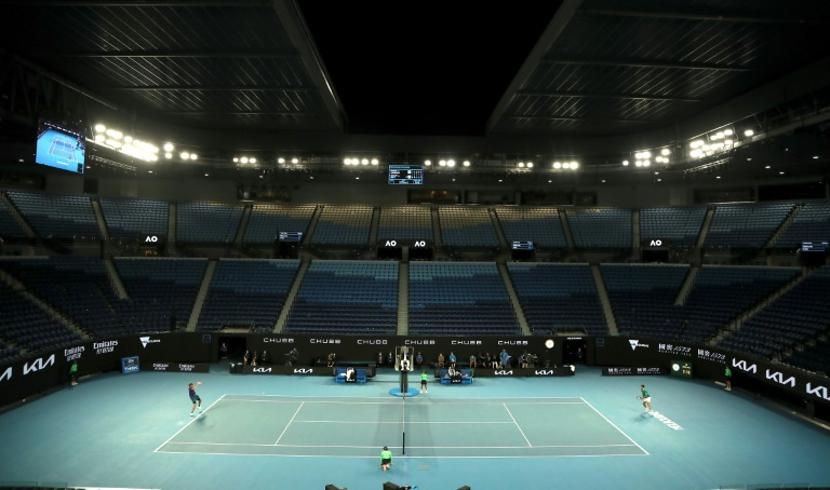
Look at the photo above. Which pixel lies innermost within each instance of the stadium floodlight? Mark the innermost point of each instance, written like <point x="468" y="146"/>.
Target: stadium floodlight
<point x="114" y="134"/>
<point x="646" y="163"/>
<point x="768" y="167"/>
<point x="427" y="163"/>
<point x="728" y="132"/>
<point x="529" y="164"/>
<point x="557" y="165"/>
<point x="184" y="155"/>
<point x="168" y="155"/>
<point x="717" y="177"/>
<point x="295" y="160"/>
<point x="375" y="162"/>
<point x="500" y="180"/>
<point x="442" y="163"/>
<point x="659" y="180"/>
<point x="781" y="172"/>
<point x="365" y="161"/>
<point x="451" y="163"/>
<point x="100" y="138"/>
<point x="244" y="160"/>
<point x="357" y="178"/>
<point x="128" y="139"/>
<point x="574" y="165"/>
<point x="169" y="147"/>
<point x="625" y="163"/>
<point x="347" y="161"/>
<point x="550" y="181"/>
<point x="521" y="164"/>
<point x="675" y="367"/>
<point x="194" y="156"/>
<point x="466" y="163"/>
<point x="281" y="160"/>
<point x="638" y="163"/>
<point x="207" y="174"/>
<point x="113" y="143"/>
<point x="665" y="152"/>
<point x="100" y="128"/>
<point x="749" y="133"/>
<point x="815" y="157"/>
<point x="566" y="165"/>
<point x="252" y="159"/>
<point x="236" y="160"/>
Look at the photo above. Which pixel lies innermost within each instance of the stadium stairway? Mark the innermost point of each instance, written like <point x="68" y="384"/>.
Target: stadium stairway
<point x="687" y="286"/>
<point x="58" y="316"/>
<point x="436" y="229"/>
<point x="610" y="320"/>
<point x="305" y="262"/>
<point x="115" y="279"/>
<point x="635" y="233"/>
<point x="312" y="226"/>
<point x="193" y="321"/>
<point x="374" y="226"/>
<point x="170" y="245"/>
<point x="499" y="232"/>
<point x="99" y="218"/>
<point x="403" y="298"/>
<point x="566" y="228"/>
<point x="243" y="225"/>
<point x="704" y="228"/>
<point x="784" y="225"/>
<point x="18" y="217"/>
<point x="736" y="324"/>
<point x="514" y="299"/>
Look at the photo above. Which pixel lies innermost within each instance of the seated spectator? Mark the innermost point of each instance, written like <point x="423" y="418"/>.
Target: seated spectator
<point x="494" y="362"/>
<point x="419" y="360"/>
<point x="331" y="359"/>
<point x="265" y="358"/>
<point x="351" y="376"/>
<point x="473" y="363"/>
<point x="524" y="360"/>
<point x="380" y="359"/>
<point x="440" y="360"/>
<point x="504" y="359"/>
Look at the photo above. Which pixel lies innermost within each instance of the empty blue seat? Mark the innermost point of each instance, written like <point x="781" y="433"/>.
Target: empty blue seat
<point x="467" y="227"/>
<point x="55" y="216"/>
<point x="343" y="225"/>
<point x="268" y="220"/>
<point x="405" y="223"/>
<point x="679" y="225"/>
<point x="207" y="222"/>
<point x="542" y="226"/>
<point x="745" y="226"/>
<point x="133" y="219"/>
<point x="607" y="228"/>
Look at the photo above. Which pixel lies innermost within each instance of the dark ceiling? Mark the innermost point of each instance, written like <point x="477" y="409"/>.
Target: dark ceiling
<point x="555" y="68"/>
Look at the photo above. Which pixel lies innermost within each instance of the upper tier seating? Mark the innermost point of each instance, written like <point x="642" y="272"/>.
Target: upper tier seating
<point x="247" y="293"/>
<point x="8" y="354"/>
<point x="812" y="223"/>
<point x="31" y="328"/>
<point x="600" y="227"/>
<point x="347" y="297"/>
<point x="466" y="227"/>
<point x="814" y="357"/>
<point x="799" y="315"/>
<point x="267" y="220"/>
<point x="680" y="226"/>
<point x="405" y="223"/>
<point x="9" y="228"/>
<point x="558" y="297"/>
<point x="133" y="219"/>
<point x="162" y="290"/>
<point x="343" y="225"/>
<point x="542" y="226"/>
<point x="447" y="298"/>
<point x="207" y="222"/>
<point x="745" y="225"/>
<point x="54" y="216"/>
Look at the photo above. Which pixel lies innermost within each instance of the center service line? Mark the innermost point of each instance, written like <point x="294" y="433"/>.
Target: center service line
<point x="517" y="425"/>
<point x="289" y="423"/>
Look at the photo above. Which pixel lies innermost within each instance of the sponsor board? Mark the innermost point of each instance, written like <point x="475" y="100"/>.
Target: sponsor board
<point x="74" y="353"/>
<point x="147" y="340"/>
<point x="674" y="350"/>
<point x="632" y="371"/>
<point x="817" y="391"/>
<point x="7" y="374"/>
<point x="104" y="347"/>
<point x="179" y="367"/>
<point x="324" y="341"/>
<point x="711" y="356"/>
<point x="38" y="364"/>
<point x="745" y="366"/>
<point x="419" y="342"/>
<point x="636" y="344"/>
<point x="130" y="365"/>
<point x="511" y="342"/>
<point x="465" y="342"/>
<point x="278" y="340"/>
<point x="524" y="372"/>
<point x="372" y="342"/>
<point x="778" y="377"/>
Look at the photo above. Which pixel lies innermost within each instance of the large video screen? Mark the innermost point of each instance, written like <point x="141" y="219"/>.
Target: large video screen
<point x="401" y="174"/>
<point x="61" y="148"/>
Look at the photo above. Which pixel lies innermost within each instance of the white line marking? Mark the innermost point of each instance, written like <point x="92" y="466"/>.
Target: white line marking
<point x="328" y="456"/>
<point x="615" y="426"/>
<point x="346" y="422"/>
<point x="467" y="400"/>
<point x="188" y="424"/>
<point x="671" y="424"/>
<point x="289" y="423"/>
<point x="517" y="425"/>
<point x="328" y="446"/>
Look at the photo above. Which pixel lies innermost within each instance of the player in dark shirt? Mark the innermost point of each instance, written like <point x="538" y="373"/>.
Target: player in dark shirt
<point x="194" y="398"/>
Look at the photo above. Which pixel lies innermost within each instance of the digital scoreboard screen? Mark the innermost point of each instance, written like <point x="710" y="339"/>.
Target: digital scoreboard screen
<point x="403" y="174"/>
<point x="814" y="247"/>
<point x="291" y="236"/>
<point x="519" y="245"/>
<point x="61" y="148"/>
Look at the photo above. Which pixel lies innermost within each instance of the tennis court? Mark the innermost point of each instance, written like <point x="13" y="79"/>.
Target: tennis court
<point x="360" y="426"/>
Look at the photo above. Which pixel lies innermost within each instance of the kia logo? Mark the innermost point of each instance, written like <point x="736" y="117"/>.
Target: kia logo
<point x="502" y="372"/>
<point x="261" y="370"/>
<point x="303" y="371"/>
<point x="38" y="364"/>
<point x="778" y="377"/>
<point x="744" y="366"/>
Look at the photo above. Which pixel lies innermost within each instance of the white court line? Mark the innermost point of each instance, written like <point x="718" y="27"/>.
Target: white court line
<point x="289" y="423"/>
<point x="346" y="422"/>
<point x="188" y="424"/>
<point x="517" y="425"/>
<point x="466" y="400"/>
<point x="328" y="456"/>
<point x="615" y="426"/>
<point x="329" y="446"/>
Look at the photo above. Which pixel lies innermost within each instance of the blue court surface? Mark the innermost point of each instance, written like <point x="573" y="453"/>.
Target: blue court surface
<point x="585" y="431"/>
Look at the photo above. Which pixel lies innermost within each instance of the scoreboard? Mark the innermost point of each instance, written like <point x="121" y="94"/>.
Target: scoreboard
<point x="404" y="174"/>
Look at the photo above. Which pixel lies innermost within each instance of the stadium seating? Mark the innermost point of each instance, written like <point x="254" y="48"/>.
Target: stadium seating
<point x="812" y="223"/>
<point x="207" y="222"/>
<point x="29" y="326"/>
<point x="680" y="226"/>
<point x="542" y="226"/>
<point x="606" y="228"/>
<point x="447" y="298"/>
<point x="558" y="297"/>
<point x="343" y="225"/>
<point x="9" y="228"/>
<point x="814" y="358"/>
<point x="267" y="220"/>
<point x="55" y="216"/>
<point x="467" y="227"/>
<point x="797" y="316"/>
<point x="247" y="293"/>
<point x="7" y="353"/>
<point x="162" y="290"/>
<point x="745" y="226"/>
<point x="405" y="223"/>
<point x="133" y="219"/>
<point x="346" y="297"/>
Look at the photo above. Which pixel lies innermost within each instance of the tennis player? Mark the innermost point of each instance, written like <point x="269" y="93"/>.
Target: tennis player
<point x="645" y="397"/>
<point x="194" y="398"/>
<point x="424" y="378"/>
<point x="385" y="459"/>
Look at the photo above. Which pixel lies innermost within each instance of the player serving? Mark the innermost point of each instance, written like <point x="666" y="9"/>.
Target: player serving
<point x="194" y="398"/>
<point x="645" y="397"/>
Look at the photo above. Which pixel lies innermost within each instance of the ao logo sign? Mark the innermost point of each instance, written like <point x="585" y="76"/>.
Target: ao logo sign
<point x="420" y="243"/>
<point x="743" y="366"/>
<point x="656" y="243"/>
<point x="391" y="243"/>
<point x="778" y="377"/>
<point x="151" y="239"/>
